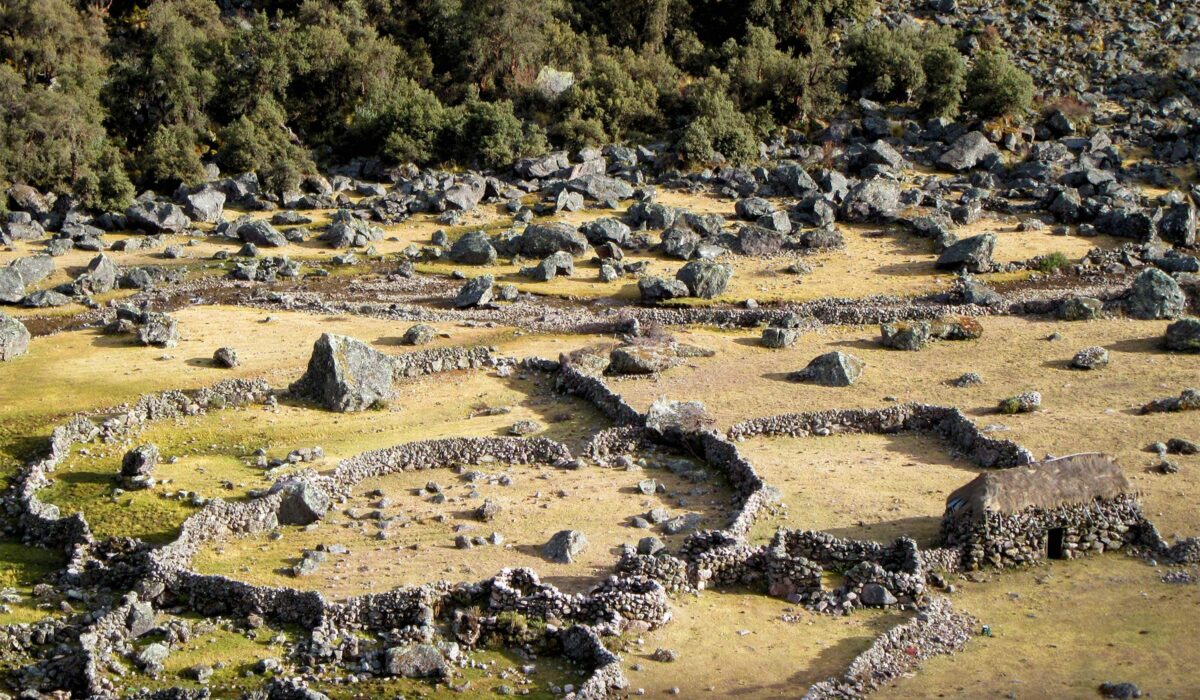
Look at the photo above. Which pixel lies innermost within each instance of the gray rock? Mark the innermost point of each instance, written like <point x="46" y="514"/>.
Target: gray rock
<point x="972" y="254"/>
<point x="101" y="275"/>
<point x="1155" y="295"/>
<point x="564" y="546"/>
<point x="872" y="200"/>
<point x="419" y="334"/>
<point x="14" y="338"/>
<point x="606" y="230"/>
<point x="541" y="240"/>
<point x="157" y="217"/>
<point x="831" y="369"/>
<point x="1183" y="335"/>
<point x="158" y="330"/>
<point x="476" y="292"/>
<point x="1090" y="358"/>
<point x="34" y="268"/>
<point x="967" y="152"/>
<point x="680" y="242"/>
<point x="205" y="204"/>
<point x="1079" y="309"/>
<point x="704" y="278"/>
<point x="905" y="335"/>
<point x="140" y="461"/>
<point x="779" y="337"/>
<point x="45" y="299"/>
<point x="260" y="233"/>
<point x="346" y="375"/>
<point x="753" y="208"/>
<point x="641" y="359"/>
<point x="12" y="287"/>
<point x="876" y="595"/>
<point x="140" y="619"/>
<point x="473" y="248"/>
<point x="151" y="658"/>
<point x="560" y="263"/>
<point x="419" y="661"/>
<point x="302" y="503"/>
<point x="656" y="289"/>
<point x="225" y="357"/>
<point x="650" y="546"/>
<point x="466" y="194"/>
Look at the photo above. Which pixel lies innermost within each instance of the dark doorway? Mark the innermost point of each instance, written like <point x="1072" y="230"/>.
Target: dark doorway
<point x="1054" y="543"/>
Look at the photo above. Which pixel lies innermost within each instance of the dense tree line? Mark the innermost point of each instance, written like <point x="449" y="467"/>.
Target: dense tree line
<point x="99" y="97"/>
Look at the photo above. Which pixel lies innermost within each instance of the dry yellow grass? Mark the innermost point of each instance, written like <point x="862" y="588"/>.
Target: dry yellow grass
<point x="775" y="659"/>
<point x="420" y="546"/>
<point x="1082" y="411"/>
<point x="909" y="477"/>
<point x="1062" y="629"/>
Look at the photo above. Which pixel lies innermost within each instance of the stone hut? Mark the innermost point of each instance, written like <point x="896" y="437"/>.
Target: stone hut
<point x="1057" y="509"/>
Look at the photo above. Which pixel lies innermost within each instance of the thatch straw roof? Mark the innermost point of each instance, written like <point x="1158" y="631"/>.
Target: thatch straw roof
<point x="1076" y="479"/>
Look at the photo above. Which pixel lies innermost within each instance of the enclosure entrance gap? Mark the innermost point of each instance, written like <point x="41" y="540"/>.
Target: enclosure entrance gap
<point x="1054" y="543"/>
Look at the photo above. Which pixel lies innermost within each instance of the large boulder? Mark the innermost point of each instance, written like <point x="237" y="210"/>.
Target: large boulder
<point x="205" y="204"/>
<point x="565" y="546"/>
<point x="541" y="240"/>
<point x="760" y="241"/>
<point x="157" y="217"/>
<point x="158" y="330"/>
<point x="704" y="278"/>
<point x="873" y="200"/>
<point x="420" y="661"/>
<point x="641" y="359"/>
<point x="345" y="374"/>
<point x="349" y="231"/>
<point x="546" y="166"/>
<point x="14" y="338"/>
<point x="972" y="254"/>
<point x="101" y="276"/>
<point x="558" y="264"/>
<point x="476" y="292"/>
<point x="606" y="230"/>
<point x="20" y="226"/>
<point x="680" y="242"/>
<point x="1155" y="295"/>
<point x="260" y="233"/>
<point x="34" y="268"/>
<point x="656" y="289"/>
<point x="1184" y="335"/>
<point x="466" y="194"/>
<point x="905" y="335"/>
<point x="1178" y="224"/>
<point x="970" y="150"/>
<point x="302" y="503"/>
<point x="12" y="286"/>
<point x="602" y="188"/>
<point x="831" y="369"/>
<point x="473" y="248"/>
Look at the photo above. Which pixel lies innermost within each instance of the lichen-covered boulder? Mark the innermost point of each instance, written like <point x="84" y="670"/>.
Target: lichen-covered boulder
<point x="420" y="661"/>
<point x="1155" y="295"/>
<point x="476" y="292"/>
<point x="565" y="546"/>
<point x="831" y="369"/>
<point x="542" y="240"/>
<point x="704" y="278"/>
<point x="345" y="375"/>
<point x="1184" y="335"/>
<point x="973" y="254"/>
<point x="303" y="502"/>
<point x="14" y="338"/>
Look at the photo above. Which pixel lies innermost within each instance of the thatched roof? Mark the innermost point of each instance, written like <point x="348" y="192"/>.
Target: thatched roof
<point x="1076" y="479"/>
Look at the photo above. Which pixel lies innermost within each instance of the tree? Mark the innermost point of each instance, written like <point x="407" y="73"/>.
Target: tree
<point x="263" y="143"/>
<point x="406" y="127"/>
<point x="996" y="87"/>
<point x="490" y="134"/>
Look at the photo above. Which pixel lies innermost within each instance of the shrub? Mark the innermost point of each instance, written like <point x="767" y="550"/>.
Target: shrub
<point x="884" y="63"/>
<point x="717" y="126"/>
<point x="996" y="87"/>
<point x="406" y="128"/>
<point x="490" y="134"/>
<point x="945" y="78"/>
<point x="1052" y="262"/>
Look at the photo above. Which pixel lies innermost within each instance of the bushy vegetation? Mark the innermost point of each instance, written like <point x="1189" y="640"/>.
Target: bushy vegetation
<point x="97" y="98"/>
